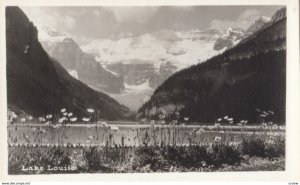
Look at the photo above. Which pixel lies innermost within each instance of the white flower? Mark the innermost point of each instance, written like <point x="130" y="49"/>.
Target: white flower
<point x="29" y="117"/>
<point x="73" y="119"/>
<point x="61" y="120"/>
<point x="63" y="110"/>
<point x="240" y="124"/>
<point x="262" y="115"/>
<point x="265" y="113"/>
<point x="65" y="113"/>
<point x="225" y="117"/>
<point x="70" y="114"/>
<point x="23" y="119"/>
<point x="186" y="118"/>
<point x="114" y="128"/>
<point x="49" y="116"/>
<point x="85" y="119"/>
<point x="230" y="119"/>
<point x="220" y="119"/>
<point x="217" y="124"/>
<point x="90" y="110"/>
<point x="48" y="123"/>
<point x="271" y="112"/>
<point x="218" y="139"/>
<point x="230" y="122"/>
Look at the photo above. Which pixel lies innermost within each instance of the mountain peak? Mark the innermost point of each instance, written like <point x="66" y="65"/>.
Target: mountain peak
<point x="258" y="23"/>
<point x="280" y="14"/>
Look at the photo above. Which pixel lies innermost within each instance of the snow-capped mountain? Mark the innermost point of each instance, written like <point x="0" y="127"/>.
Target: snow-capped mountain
<point x="79" y="64"/>
<point x="146" y="61"/>
<point x="182" y="49"/>
<point x="233" y="35"/>
<point x="258" y="24"/>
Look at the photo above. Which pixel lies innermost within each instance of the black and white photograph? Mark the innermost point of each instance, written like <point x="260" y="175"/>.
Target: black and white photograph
<point x="146" y="89"/>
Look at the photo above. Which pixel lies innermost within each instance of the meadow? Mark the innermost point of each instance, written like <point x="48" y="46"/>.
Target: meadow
<point x="39" y="147"/>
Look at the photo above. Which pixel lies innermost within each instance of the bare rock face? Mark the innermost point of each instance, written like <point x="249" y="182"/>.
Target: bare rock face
<point x="83" y="66"/>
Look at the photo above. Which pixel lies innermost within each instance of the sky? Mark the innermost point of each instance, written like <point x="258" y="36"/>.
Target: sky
<point x="88" y="23"/>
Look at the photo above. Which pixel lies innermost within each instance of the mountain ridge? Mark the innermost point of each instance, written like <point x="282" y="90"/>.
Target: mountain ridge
<point x="39" y="85"/>
<point x="250" y="75"/>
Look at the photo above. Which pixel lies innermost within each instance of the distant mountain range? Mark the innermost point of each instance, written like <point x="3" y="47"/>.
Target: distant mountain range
<point x="249" y="76"/>
<point x="39" y="85"/>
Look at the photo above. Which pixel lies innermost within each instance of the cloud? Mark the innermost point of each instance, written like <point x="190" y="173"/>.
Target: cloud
<point x="244" y="20"/>
<point x="135" y="14"/>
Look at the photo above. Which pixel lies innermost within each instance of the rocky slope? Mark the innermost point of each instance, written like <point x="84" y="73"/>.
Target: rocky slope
<point x="78" y="63"/>
<point x="233" y="36"/>
<point x="38" y="85"/>
<point x="249" y="76"/>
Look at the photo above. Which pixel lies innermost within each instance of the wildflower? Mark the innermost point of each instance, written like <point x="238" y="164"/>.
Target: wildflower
<point x="230" y="119"/>
<point x="271" y="112"/>
<point x="240" y="124"/>
<point x="225" y="117"/>
<point x="220" y="119"/>
<point x="48" y="123"/>
<point x="217" y="124"/>
<point x="63" y="110"/>
<point x="65" y="113"/>
<point x="114" y="128"/>
<point x="73" y="119"/>
<point x="230" y="122"/>
<point x="61" y="120"/>
<point x="85" y="119"/>
<point x="262" y="115"/>
<point x="90" y="110"/>
<point x="49" y="116"/>
<point x="103" y="123"/>
<point x="258" y="110"/>
<point x="23" y="119"/>
<point x="265" y="113"/>
<point x="217" y="139"/>
<point x="70" y="114"/>
<point x="186" y="118"/>
<point x="29" y="117"/>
